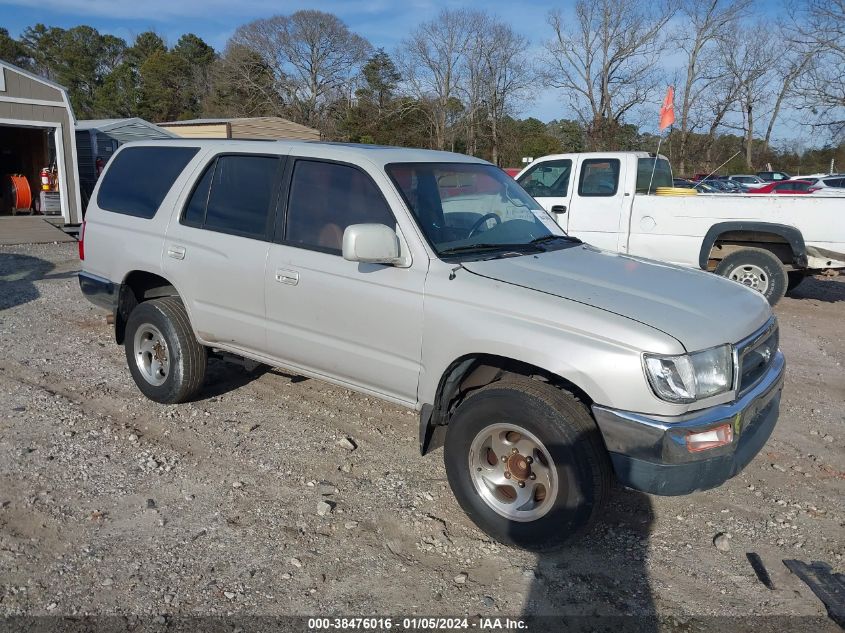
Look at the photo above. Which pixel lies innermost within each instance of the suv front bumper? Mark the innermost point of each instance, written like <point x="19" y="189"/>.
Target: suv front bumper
<point x="649" y="453"/>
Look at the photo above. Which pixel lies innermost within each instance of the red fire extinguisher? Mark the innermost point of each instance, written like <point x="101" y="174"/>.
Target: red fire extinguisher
<point x="46" y="185"/>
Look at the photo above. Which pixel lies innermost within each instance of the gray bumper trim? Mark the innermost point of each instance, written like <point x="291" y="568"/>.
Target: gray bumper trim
<point x="99" y="291"/>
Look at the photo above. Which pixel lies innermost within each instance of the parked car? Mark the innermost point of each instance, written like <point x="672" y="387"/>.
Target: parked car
<point x="767" y="243"/>
<point x="773" y="176"/>
<point x="752" y="182"/>
<point x="543" y="365"/>
<point x="512" y="171"/>
<point x="785" y="186"/>
<point x="834" y="181"/>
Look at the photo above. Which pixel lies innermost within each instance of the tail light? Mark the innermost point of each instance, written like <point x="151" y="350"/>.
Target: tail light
<point x="82" y="243"/>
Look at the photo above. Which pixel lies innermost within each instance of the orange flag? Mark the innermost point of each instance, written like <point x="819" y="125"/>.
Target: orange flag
<point x="667" y="110"/>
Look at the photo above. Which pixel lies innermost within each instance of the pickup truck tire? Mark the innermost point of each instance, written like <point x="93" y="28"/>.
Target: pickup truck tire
<point x="526" y="463"/>
<point x="165" y="359"/>
<point x="758" y="269"/>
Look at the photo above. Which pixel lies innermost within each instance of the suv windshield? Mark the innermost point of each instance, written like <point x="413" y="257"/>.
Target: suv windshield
<point x="474" y="209"/>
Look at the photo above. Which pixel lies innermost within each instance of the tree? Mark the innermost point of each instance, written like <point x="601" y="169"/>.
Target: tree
<point x="243" y="85"/>
<point x="432" y="61"/>
<point x="197" y="59"/>
<point x="381" y="80"/>
<point x="819" y="27"/>
<point x="13" y="51"/>
<point x="313" y="55"/>
<point x="605" y="60"/>
<point x="706" y="23"/>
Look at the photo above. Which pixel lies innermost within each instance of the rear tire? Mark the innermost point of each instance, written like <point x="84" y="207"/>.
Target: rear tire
<point x="165" y="359"/>
<point x="757" y="269"/>
<point x="567" y="478"/>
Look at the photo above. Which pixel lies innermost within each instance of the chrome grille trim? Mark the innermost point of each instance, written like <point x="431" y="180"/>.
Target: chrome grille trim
<point x="747" y="345"/>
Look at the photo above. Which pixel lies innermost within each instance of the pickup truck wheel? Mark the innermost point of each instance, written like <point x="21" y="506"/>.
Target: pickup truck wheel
<point x="165" y="359"/>
<point x="527" y="464"/>
<point x="758" y="269"/>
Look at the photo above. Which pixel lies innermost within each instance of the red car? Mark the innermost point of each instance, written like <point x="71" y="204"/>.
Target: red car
<point x="512" y="171"/>
<point x="785" y="186"/>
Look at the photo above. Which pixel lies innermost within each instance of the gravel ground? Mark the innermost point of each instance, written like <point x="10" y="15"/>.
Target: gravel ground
<point x="246" y="501"/>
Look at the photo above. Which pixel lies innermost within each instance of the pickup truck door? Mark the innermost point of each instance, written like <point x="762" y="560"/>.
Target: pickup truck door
<point x="596" y="209"/>
<point x="548" y="183"/>
<point x="353" y="323"/>
<point x="216" y="248"/>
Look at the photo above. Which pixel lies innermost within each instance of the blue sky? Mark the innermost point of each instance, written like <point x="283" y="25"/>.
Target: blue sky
<point x="383" y="22"/>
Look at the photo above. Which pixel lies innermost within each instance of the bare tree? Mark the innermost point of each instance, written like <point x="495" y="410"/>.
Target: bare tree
<point x="819" y="27"/>
<point x="606" y="59"/>
<point x="433" y="62"/>
<point x="749" y="56"/>
<point x="506" y="78"/>
<point x="313" y="56"/>
<point x="706" y="23"/>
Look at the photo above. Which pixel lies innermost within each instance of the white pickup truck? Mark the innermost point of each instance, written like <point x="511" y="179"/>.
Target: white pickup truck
<point x="767" y="242"/>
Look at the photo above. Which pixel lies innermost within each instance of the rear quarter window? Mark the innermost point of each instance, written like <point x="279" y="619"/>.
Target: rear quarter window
<point x="139" y="178"/>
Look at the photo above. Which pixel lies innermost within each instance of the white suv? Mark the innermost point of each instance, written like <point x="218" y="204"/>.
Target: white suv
<point x="543" y="365"/>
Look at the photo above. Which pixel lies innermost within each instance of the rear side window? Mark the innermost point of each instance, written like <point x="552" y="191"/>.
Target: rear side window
<point x="236" y="194"/>
<point x="599" y="177"/>
<point x="139" y="178"/>
<point x="653" y="173"/>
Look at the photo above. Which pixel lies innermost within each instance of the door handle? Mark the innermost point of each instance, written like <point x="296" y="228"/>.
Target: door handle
<point x="289" y="277"/>
<point x="176" y="252"/>
<point x="559" y="208"/>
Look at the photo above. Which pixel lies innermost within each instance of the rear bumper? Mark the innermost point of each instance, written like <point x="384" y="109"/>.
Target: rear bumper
<point x="649" y="453"/>
<point x="99" y="291"/>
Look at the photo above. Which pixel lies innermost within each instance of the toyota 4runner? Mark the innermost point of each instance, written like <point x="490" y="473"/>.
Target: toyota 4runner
<point x="544" y="366"/>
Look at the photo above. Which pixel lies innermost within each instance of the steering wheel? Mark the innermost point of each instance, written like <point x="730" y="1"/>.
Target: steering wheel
<point x="482" y="220"/>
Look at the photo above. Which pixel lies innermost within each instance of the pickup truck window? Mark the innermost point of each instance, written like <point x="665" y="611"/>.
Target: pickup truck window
<point x="471" y="208"/>
<point x="662" y="174"/>
<point x="235" y="195"/>
<point x="599" y="177"/>
<point x="138" y="178"/>
<point x="327" y="197"/>
<point x="547" y="179"/>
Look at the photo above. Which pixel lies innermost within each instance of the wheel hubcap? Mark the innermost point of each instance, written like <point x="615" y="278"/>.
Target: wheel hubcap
<point x="513" y="472"/>
<point x="751" y="276"/>
<point x="151" y="354"/>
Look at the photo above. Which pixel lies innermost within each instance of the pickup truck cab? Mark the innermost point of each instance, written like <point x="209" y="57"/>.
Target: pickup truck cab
<point x="769" y="242"/>
<point x="543" y="366"/>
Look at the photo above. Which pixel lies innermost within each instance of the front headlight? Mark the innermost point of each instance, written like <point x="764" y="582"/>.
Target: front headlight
<point x="691" y="377"/>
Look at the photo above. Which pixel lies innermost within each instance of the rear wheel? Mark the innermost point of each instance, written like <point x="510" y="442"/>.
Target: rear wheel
<point x="164" y="357"/>
<point x="526" y="463"/>
<point x="757" y="269"/>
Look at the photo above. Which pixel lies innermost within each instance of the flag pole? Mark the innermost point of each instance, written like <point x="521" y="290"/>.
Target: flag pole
<point x="654" y="164"/>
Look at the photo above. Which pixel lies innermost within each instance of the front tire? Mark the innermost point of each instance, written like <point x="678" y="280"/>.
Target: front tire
<point x="757" y="269"/>
<point x="526" y="463"/>
<point x="165" y="359"/>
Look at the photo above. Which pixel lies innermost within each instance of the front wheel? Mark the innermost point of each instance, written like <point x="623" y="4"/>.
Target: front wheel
<point x="526" y="463"/>
<point x="757" y="269"/>
<point x="165" y="359"/>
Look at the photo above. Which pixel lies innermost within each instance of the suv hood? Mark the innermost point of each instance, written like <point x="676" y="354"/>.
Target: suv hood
<point x="699" y="309"/>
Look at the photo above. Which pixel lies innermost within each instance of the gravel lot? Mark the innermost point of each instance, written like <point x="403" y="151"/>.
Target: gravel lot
<point x="112" y="504"/>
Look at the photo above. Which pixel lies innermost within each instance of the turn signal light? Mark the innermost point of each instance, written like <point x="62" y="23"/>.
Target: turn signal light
<point x="704" y="440"/>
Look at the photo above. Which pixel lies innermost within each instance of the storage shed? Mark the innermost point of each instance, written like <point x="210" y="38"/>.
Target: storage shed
<point x="100" y="138"/>
<point x="36" y="132"/>
<point x="265" y="127"/>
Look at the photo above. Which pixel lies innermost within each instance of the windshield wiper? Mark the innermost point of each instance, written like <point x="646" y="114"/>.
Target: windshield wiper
<point x="469" y="248"/>
<point x="550" y="238"/>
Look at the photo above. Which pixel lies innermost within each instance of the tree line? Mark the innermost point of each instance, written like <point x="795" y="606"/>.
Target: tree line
<point x="461" y="80"/>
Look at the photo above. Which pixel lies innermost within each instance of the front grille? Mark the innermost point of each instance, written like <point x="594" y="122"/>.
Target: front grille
<point x="755" y="358"/>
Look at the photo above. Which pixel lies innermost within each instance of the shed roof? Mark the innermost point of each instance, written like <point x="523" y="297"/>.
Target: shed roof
<point x="222" y="120"/>
<point x="108" y="124"/>
<point x="32" y="76"/>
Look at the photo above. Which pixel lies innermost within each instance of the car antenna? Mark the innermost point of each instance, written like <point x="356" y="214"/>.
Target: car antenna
<point x="454" y="270"/>
<point x="719" y="167"/>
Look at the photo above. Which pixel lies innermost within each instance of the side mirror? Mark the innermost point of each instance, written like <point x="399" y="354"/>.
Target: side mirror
<point x="371" y="244"/>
